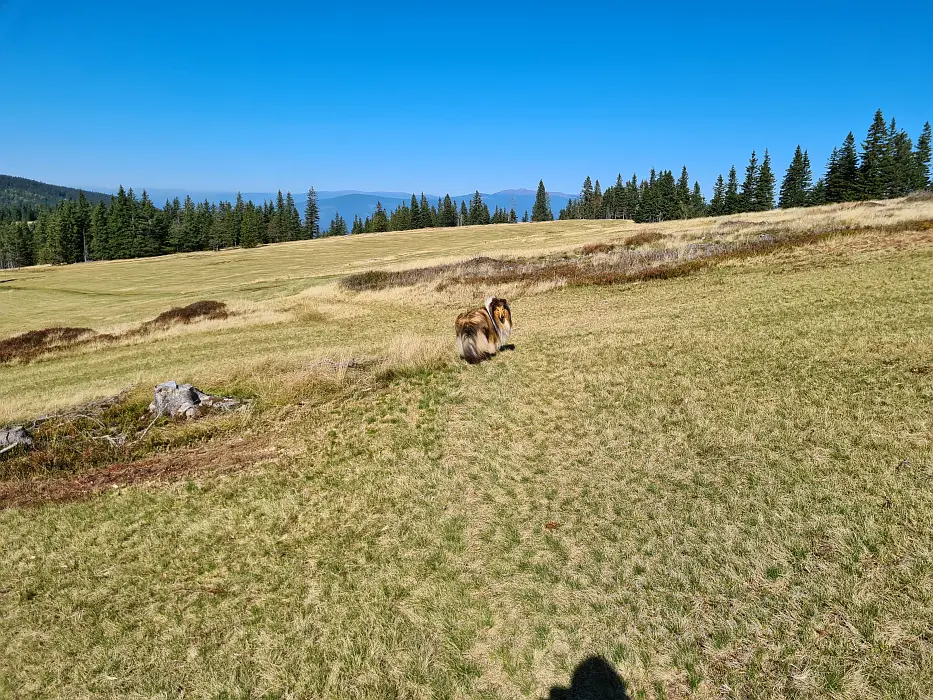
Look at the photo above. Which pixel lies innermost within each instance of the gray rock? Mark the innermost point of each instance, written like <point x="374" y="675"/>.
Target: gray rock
<point x="13" y="436"/>
<point x="184" y="400"/>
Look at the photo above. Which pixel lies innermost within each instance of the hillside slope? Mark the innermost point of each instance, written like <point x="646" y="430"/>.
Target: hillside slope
<point x="21" y="194"/>
<point x="716" y="480"/>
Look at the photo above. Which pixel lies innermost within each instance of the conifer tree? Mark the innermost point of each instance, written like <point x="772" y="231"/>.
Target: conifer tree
<point x="901" y="161"/>
<point x="921" y="177"/>
<point x="250" y="227"/>
<point x="312" y="216"/>
<point x="764" y="191"/>
<point x="380" y="222"/>
<point x="874" y="168"/>
<point x="733" y="200"/>
<point x="338" y="227"/>
<point x="525" y="217"/>
<point x="792" y="192"/>
<point x="357" y="224"/>
<point x="717" y="205"/>
<point x="817" y="195"/>
<point x="292" y="219"/>
<point x="464" y="214"/>
<point x="697" y="201"/>
<point x="513" y="217"/>
<point x="427" y="214"/>
<point x="415" y="213"/>
<point x="541" y="211"/>
<point x="750" y="184"/>
<point x="842" y="182"/>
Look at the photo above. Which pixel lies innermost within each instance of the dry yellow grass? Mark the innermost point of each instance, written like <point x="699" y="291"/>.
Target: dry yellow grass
<point x="721" y="482"/>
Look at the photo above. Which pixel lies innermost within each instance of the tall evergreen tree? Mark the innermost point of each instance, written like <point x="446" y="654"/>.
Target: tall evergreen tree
<point x="250" y="227"/>
<point x="764" y="192"/>
<point x="313" y="216"/>
<point x="902" y="162"/>
<point x="428" y="215"/>
<point x="733" y="200"/>
<point x="338" y="227"/>
<point x="817" y="194"/>
<point x="415" y="213"/>
<point x="541" y="211"/>
<point x="921" y="178"/>
<point x="717" y="205"/>
<point x="845" y="185"/>
<point x="792" y="191"/>
<point x="875" y="166"/>
<point x="750" y="184"/>
<point x="380" y="222"/>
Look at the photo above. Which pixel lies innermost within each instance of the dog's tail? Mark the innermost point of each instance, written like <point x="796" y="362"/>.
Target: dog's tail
<point x="466" y="344"/>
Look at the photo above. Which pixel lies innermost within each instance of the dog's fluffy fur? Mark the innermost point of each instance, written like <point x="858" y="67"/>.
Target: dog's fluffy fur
<point x="481" y="333"/>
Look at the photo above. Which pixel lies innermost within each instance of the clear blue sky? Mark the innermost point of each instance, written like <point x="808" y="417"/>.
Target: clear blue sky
<point x="261" y="96"/>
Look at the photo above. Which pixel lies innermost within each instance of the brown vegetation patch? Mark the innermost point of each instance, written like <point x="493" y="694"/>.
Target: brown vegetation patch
<point x="161" y="468"/>
<point x="198" y="311"/>
<point x="33" y="344"/>
<point x="618" y="264"/>
<point x="635" y="241"/>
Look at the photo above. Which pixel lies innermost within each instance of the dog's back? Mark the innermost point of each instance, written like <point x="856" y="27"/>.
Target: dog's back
<point x="478" y="336"/>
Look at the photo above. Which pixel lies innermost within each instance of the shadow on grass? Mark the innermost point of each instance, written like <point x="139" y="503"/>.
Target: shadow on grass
<point x="594" y="678"/>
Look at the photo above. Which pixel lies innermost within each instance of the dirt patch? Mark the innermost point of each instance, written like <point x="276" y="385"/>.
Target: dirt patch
<point x="163" y="468"/>
<point x="34" y="344"/>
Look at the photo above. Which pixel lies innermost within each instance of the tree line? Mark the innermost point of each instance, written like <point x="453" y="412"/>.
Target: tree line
<point x="888" y="164"/>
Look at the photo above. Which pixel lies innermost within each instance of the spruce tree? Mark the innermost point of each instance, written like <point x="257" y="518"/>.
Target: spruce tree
<point x="717" y="205"/>
<point x="792" y="192"/>
<point x="764" y="192"/>
<point x="697" y="201"/>
<point x="415" y="210"/>
<point x="750" y="184"/>
<point x="250" y="227"/>
<point x="464" y="214"/>
<point x="513" y="217"/>
<point x="902" y="163"/>
<point x="875" y="167"/>
<point x="682" y="195"/>
<point x="541" y="211"/>
<point x="380" y="222"/>
<point x="921" y="170"/>
<point x="848" y="171"/>
<point x="525" y="217"/>
<point x="733" y="200"/>
<point x="312" y="216"/>
<point x="427" y="214"/>
<point x="817" y="195"/>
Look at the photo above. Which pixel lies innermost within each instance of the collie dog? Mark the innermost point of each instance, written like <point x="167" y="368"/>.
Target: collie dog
<point x="481" y="333"/>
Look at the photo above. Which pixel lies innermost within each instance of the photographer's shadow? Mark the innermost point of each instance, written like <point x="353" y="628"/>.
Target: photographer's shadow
<point x="593" y="679"/>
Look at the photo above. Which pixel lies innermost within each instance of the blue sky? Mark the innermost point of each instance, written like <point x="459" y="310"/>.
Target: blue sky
<point x="260" y="96"/>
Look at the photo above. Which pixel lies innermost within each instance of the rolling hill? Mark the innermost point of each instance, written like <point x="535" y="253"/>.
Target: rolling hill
<point x="19" y="193"/>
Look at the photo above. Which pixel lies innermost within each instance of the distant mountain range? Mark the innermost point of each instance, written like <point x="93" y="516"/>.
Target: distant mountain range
<point x="16" y="191"/>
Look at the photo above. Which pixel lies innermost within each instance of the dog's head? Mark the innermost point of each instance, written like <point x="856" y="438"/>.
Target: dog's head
<point x="500" y="312"/>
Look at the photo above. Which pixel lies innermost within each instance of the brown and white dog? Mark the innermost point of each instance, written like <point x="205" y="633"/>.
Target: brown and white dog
<point x="481" y="333"/>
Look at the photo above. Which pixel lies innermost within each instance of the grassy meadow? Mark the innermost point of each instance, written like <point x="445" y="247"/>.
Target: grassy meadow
<point x="721" y="482"/>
